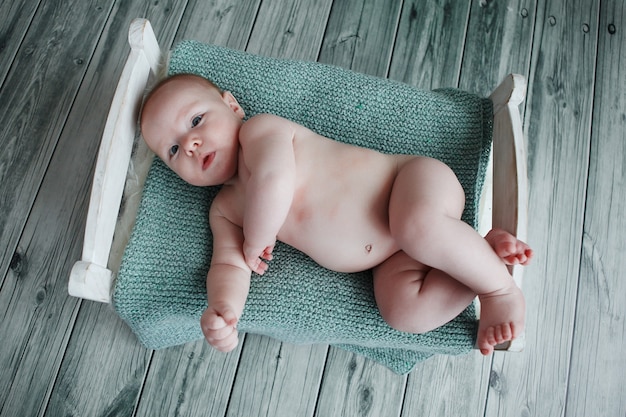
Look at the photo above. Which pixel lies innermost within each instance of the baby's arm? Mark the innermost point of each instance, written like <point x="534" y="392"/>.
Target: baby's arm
<point x="267" y="143"/>
<point x="228" y="282"/>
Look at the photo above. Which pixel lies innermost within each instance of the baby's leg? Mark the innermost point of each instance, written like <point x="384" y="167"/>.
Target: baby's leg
<point x="416" y="298"/>
<point x="424" y="211"/>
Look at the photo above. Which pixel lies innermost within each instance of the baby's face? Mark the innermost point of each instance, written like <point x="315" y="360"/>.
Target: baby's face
<point x="194" y="129"/>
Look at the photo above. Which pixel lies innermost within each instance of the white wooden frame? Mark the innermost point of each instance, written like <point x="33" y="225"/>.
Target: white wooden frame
<point x="90" y="278"/>
<point x="505" y="195"/>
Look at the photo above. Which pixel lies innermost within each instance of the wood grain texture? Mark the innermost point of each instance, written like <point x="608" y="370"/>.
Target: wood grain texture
<point x="37" y="316"/>
<point x="498" y="43"/>
<point x="429" y="43"/>
<point x="290" y="29"/>
<point x="434" y="387"/>
<point x="60" y="42"/>
<point x="360" y="35"/>
<point x="103" y="370"/>
<point x="558" y="123"/>
<point x="596" y="382"/>
<point x="355" y="386"/>
<point x="189" y="380"/>
<point x="16" y="19"/>
<point x="276" y="379"/>
<point x="219" y="22"/>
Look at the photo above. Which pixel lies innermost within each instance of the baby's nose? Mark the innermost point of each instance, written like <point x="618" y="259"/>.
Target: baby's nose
<point x="191" y="143"/>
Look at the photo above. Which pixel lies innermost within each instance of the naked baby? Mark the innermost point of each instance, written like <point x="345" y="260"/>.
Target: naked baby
<point x="348" y="208"/>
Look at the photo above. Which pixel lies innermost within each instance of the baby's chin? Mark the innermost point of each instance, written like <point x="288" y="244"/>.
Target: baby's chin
<point x="202" y="182"/>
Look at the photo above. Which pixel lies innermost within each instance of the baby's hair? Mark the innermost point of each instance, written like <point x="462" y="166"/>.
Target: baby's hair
<point x="167" y="80"/>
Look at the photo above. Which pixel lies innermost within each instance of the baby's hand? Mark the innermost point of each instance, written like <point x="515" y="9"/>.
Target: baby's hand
<point x="220" y="329"/>
<point x="256" y="257"/>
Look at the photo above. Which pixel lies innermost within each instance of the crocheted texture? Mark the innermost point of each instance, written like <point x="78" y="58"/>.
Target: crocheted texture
<point x="160" y="290"/>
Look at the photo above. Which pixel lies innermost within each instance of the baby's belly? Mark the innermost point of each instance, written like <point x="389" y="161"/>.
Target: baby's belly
<point x="342" y="239"/>
<point x="340" y="210"/>
<point x="349" y="256"/>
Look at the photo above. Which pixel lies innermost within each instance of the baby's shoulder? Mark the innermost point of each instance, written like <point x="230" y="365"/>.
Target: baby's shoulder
<point x="267" y="118"/>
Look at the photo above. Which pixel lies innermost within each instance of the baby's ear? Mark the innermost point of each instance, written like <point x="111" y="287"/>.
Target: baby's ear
<point x="233" y="104"/>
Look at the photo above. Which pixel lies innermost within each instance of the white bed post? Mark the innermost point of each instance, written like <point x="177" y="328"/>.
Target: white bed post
<point x="90" y="278"/>
<point x="510" y="179"/>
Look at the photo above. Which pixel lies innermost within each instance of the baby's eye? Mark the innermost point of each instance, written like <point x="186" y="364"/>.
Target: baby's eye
<point x="196" y="121"/>
<point x="173" y="150"/>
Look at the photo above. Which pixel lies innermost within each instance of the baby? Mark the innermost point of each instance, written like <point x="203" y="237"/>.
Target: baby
<point x="348" y="208"/>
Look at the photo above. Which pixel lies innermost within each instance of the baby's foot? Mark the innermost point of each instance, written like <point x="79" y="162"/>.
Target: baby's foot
<point x="501" y="317"/>
<point x="502" y="312"/>
<point x="511" y="250"/>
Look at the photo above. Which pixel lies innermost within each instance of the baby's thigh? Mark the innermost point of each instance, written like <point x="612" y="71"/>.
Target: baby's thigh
<point x="425" y="187"/>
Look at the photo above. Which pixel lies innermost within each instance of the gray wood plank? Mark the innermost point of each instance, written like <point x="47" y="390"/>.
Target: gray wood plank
<point x="103" y="369"/>
<point x="16" y="18"/>
<point x="448" y="386"/>
<point x="430" y="36"/>
<point x="102" y="355"/>
<point x="596" y="383"/>
<point x="498" y="43"/>
<point x="34" y="106"/>
<point x="557" y="124"/>
<point x="290" y="29"/>
<point x="356" y="386"/>
<point x="220" y="22"/>
<point x="276" y="379"/>
<point x="360" y="35"/>
<point x="36" y="312"/>
<point x="181" y="379"/>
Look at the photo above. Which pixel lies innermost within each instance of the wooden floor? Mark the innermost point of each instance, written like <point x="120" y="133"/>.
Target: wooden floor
<point x="59" y="63"/>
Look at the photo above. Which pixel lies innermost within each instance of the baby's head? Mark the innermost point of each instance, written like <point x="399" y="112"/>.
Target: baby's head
<point x="194" y="128"/>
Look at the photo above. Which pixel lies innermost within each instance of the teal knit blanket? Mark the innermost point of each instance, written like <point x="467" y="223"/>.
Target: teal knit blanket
<point x="160" y="288"/>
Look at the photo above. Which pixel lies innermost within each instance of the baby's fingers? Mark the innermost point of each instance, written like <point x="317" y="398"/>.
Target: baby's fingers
<point x="220" y="330"/>
<point x="223" y="340"/>
<point x="257" y="265"/>
<point x="267" y="253"/>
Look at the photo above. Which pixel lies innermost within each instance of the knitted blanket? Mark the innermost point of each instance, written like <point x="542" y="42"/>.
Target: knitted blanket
<point x="160" y="289"/>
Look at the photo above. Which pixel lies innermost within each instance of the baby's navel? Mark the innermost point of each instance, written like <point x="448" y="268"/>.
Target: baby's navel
<point x="368" y="248"/>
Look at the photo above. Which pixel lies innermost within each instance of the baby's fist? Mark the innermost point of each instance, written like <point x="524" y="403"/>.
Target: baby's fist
<point x="220" y="329"/>
<point x="256" y="257"/>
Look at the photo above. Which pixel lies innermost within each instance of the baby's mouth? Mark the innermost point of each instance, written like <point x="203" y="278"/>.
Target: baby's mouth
<point x="207" y="160"/>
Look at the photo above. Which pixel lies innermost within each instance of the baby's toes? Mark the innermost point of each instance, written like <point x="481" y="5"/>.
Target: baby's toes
<point x="503" y="333"/>
<point x="486" y="341"/>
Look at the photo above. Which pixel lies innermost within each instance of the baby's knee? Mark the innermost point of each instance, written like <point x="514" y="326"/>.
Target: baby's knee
<point x="416" y="228"/>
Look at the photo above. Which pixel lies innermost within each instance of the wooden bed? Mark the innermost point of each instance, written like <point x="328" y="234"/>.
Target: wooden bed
<point x="123" y="163"/>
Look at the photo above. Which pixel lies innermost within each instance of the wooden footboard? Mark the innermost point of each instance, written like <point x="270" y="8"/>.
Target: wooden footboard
<point x="90" y="278"/>
<point x="510" y="179"/>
